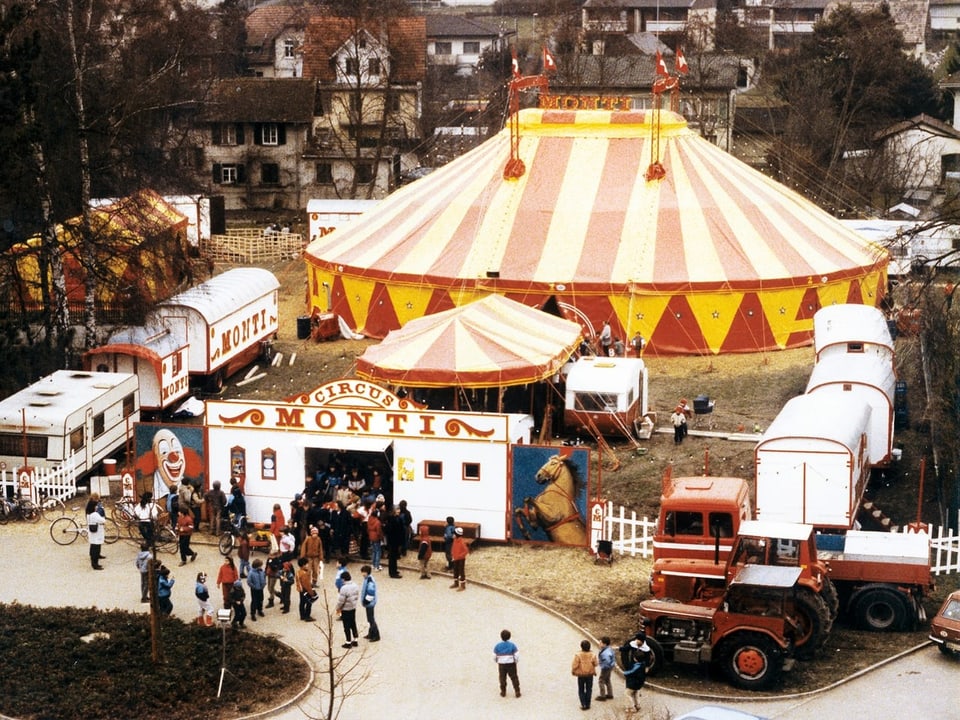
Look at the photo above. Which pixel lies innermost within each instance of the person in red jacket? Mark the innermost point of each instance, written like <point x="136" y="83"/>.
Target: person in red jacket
<point x="375" y="535"/>
<point x="226" y="577"/>
<point x="277" y="523"/>
<point x="459" y="552"/>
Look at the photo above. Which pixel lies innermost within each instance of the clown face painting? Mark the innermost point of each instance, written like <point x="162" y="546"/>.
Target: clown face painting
<point x="166" y="457"/>
<point x="168" y="454"/>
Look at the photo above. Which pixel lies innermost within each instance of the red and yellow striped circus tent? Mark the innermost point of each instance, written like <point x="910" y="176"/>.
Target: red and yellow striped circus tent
<point x="493" y="342"/>
<point x="713" y="257"/>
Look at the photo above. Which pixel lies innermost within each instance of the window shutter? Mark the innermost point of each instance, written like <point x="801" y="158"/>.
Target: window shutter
<point x="257" y="134"/>
<point x="215" y="133"/>
<point x="239" y="133"/>
<point x="217" y="173"/>
<point x="241" y="174"/>
<point x="281" y="134"/>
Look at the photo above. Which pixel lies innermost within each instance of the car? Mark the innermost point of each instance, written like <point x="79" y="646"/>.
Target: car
<point x="945" y="626"/>
<point x="715" y="712"/>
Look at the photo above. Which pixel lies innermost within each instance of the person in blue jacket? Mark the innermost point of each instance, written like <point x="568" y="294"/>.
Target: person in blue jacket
<point x="368" y="598"/>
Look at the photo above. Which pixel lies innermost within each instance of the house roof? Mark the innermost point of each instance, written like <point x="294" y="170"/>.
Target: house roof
<point x="265" y="24"/>
<point x="405" y="38"/>
<point x="638" y="71"/>
<point x="289" y="100"/>
<point x="630" y="4"/>
<point x="921" y="121"/>
<point x="461" y="26"/>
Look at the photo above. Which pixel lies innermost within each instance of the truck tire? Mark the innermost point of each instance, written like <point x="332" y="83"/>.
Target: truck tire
<point x="814" y="623"/>
<point x="880" y="609"/>
<point x="214" y="383"/>
<point x="751" y="660"/>
<point x="657" y="658"/>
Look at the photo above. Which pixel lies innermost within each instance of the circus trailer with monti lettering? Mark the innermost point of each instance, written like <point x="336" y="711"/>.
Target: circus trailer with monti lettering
<point x="227" y="322"/>
<point x="441" y="462"/>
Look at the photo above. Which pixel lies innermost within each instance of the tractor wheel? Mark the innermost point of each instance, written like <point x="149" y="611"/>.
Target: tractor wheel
<point x="831" y="597"/>
<point x="751" y="661"/>
<point x="657" y="658"/>
<point x="880" y="609"/>
<point x="814" y="623"/>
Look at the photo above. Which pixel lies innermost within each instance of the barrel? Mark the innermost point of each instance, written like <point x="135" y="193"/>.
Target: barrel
<point x="303" y="327"/>
<point x="109" y="467"/>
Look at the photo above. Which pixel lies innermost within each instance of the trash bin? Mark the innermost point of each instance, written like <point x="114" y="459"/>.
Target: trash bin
<point x="109" y="467"/>
<point x="303" y="327"/>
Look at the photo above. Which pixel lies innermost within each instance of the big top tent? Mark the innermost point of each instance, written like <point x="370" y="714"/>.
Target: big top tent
<point x="712" y="257"/>
<point x="492" y="342"/>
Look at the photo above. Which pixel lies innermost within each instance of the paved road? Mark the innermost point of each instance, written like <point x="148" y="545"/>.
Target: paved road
<point x="435" y="658"/>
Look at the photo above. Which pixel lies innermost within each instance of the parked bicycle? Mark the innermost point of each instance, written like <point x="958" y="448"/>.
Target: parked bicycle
<point x="65" y="530"/>
<point x="51" y="508"/>
<point x="259" y="535"/>
<point x="19" y="508"/>
<point x="124" y="514"/>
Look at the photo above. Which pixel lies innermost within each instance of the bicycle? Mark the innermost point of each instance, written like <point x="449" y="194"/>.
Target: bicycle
<point x="18" y="508"/>
<point x="259" y="535"/>
<point x="65" y="530"/>
<point x="124" y="515"/>
<point x="51" y="508"/>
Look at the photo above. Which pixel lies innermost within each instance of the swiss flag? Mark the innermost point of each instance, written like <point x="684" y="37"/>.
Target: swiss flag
<point x="661" y="66"/>
<point x="681" y="62"/>
<point x="549" y="64"/>
<point x="514" y="63"/>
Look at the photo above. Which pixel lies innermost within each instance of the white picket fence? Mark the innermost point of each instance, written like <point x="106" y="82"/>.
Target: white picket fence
<point x="39" y="483"/>
<point x="633" y="536"/>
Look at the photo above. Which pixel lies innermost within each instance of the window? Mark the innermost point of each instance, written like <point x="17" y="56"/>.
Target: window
<point x="433" y="469"/>
<point x="289" y="46"/>
<point x="129" y="402"/>
<point x="98" y="425"/>
<point x="854" y="347"/>
<point x="364" y="173"/>
<point x="471" y="471"/>
<point x="324" y="173"/>
<point x="269" y="134"/>
<point x="373" y="66"/>
<point x="471" y="47"/>
<point x="227" y="134"/>
<point x="228" y="174"/>
<point x="15" y="443"/>
<point x="269" y="174"/>
<point x="683" y="523"/>
<point x="351" y="66"/>
<point x="595" y="402"/>
<point x="77" y="439"/>
<point x="443" y="48"/>
<point x="393" y="102"/>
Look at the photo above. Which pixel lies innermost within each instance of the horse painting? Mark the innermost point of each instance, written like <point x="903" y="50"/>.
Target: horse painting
<point x="555" y="509"/>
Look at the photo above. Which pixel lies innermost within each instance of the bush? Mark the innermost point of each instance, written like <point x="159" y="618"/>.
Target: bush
<point x="50" y="673"/>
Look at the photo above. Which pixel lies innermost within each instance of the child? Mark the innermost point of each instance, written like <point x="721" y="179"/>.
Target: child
<point x="607" y="660"/>
<point x="243" y="553"/>
<point x="274" y="566"/>
<point x="164" y="590"/>
<point x="424" y="552"/>
<point x="256" y="581"/>
<point x="237" y="596"/>
<point x="287" y="578"/>
<point x="341" y="567"/>
<point x="448" y="534"/>
<point x="205" y="613"/>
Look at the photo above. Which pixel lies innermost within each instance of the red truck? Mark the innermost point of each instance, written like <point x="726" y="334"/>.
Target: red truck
<point x="705" y="532"/>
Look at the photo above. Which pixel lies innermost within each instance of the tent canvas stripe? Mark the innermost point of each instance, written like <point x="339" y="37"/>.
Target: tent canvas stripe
<point x="568" y="235"/>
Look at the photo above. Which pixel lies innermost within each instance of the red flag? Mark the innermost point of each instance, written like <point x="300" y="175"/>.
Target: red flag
<point x="661" y="66"/>
<point x="515" y="64"/>
<point x="549" y="64"/>
<point x="681" y="63"/>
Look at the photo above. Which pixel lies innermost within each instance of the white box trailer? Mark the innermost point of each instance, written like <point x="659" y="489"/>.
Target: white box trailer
<point x="606" y="395"/>
<point x="152" y="353"/>
<point x="811" y="463"/>
<point x="325" y="216"/>
<point x="227" y="321"/>
<point x="84" y="414"/>
<point x="866" y="377"/>
<point x="850" y="329"/>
